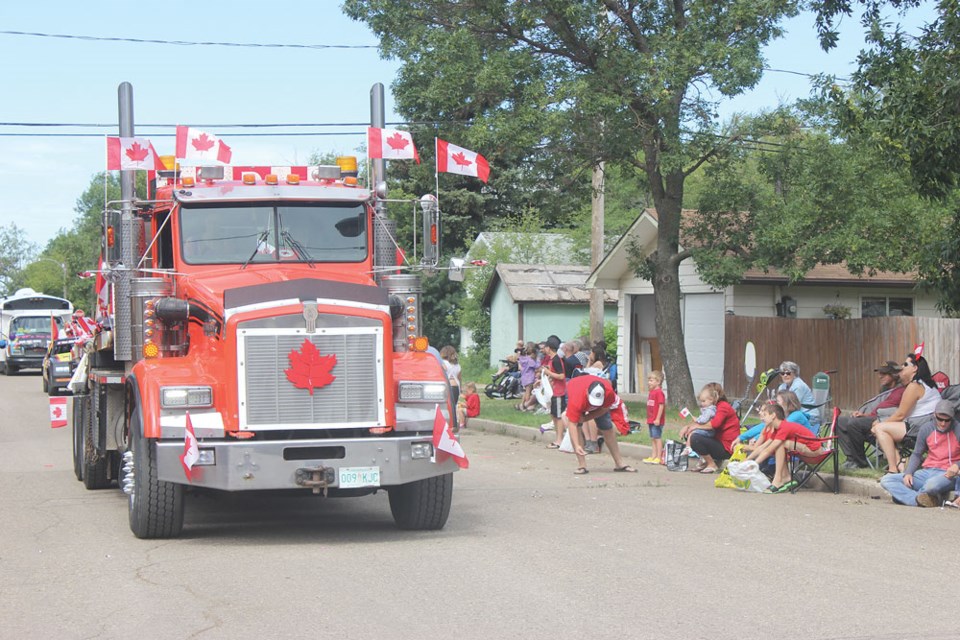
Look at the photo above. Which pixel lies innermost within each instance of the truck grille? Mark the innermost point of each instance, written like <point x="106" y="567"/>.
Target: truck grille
<point x="269" y="400"/>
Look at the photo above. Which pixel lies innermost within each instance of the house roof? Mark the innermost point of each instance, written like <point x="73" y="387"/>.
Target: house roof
<point x="544" y="283"/>
<point x="643" y="233"/>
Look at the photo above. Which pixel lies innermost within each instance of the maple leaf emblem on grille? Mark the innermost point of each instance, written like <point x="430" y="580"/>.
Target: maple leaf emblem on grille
<point x="397" y="141"/>
<point x="461" y="160"/>
<point x="308" y="368"/>
<point x="136" y="153"/>
<point x="203" y="143"/>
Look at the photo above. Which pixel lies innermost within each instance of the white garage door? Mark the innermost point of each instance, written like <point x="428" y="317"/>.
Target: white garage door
<point x="703" y="337"/>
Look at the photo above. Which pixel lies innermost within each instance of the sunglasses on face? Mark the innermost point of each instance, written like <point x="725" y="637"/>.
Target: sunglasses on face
<point x="786" y="373"/>
<point x="942" y="419"/>
<point x="908" y="364"/>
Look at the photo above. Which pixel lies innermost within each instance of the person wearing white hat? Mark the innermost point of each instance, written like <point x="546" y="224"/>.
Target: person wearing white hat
<point x="593" y="398"/>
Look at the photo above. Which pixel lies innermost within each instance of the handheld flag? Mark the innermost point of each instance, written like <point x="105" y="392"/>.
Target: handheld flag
<point x="445" y="444"/>
<point x="54" y="328"/>
<point x="454" y="159"/>
<point x="191" y="452"/>
<point x="685" y="412"/>
<point x="131" y="153"/>
<point x="391" y="144"/>
<point x="194" y="144"/>
<point x="58" y="412"/>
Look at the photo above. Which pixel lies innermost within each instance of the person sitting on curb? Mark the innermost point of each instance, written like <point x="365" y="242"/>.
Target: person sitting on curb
<point x="853" y="431"/>
<point x="926" y="480"/>
<point x="592" y="398"/>
<point x="777" y="438"/>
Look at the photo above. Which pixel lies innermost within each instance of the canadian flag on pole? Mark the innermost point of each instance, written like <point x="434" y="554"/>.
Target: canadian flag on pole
<point x="193" y="144"/>
<point x="102" y="287"/>
<point x="454" y="159"/>
<point x="131" y="153"/>
<point x="391" y="144"/>
<point x="58" y="412"/>
<point x="445" y="445"/>
<point x="191" y="452"/>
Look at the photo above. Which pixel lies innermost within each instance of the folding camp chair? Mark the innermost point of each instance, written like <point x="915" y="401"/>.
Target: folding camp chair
<point x="804" y="467"/>
<point x="821" y="394"/>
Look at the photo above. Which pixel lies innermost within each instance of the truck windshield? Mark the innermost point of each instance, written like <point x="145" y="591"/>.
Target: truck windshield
<point x="258" y="233"/>
<point x="31" y="325"/>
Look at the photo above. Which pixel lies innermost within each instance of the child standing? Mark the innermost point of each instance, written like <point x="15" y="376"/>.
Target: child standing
<point x="655" y="416"/>
<point x="469" y="405"/>
<point x="528" y="369"/>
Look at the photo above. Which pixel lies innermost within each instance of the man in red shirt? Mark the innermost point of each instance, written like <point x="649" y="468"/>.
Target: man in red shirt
<point x="593" y="398"/>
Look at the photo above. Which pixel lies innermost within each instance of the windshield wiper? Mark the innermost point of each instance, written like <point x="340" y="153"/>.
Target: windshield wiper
<point x="261" y="241"/>
<point x="298" y="248"/>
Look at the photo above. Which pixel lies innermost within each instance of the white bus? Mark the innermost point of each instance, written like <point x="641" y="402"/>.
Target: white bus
<point x="25" y="328"/>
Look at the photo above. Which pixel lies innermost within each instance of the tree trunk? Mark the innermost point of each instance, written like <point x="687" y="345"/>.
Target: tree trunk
<point x="596" y="253"/>
<point x="667" y="196"/>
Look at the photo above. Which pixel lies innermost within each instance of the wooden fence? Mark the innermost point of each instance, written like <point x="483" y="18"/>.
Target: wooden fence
<point x="854" y="348"/>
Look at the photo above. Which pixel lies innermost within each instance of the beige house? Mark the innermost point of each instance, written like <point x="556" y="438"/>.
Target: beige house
<point x="759" y="294"/>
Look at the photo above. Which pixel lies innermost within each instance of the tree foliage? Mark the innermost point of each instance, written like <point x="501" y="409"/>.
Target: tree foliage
<point x="16" y="252"/>
<point x="906" y="101"/>
<point x="550" y="89"/>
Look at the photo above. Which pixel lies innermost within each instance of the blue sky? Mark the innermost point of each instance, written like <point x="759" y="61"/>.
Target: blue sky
<point x="54" y="80"/>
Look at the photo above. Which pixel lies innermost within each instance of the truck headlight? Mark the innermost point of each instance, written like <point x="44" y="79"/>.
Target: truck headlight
<point x="423" y="391"/>
<point x="186" y="397"/>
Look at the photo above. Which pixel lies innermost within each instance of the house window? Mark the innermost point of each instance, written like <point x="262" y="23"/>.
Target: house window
<point x="877" y="307"/>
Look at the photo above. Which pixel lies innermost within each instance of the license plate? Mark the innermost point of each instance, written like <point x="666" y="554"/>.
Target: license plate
<point x="352" y="477"/>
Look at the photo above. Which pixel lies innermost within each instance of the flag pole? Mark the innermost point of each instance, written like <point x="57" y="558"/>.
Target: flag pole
<point x="436" y="168"/>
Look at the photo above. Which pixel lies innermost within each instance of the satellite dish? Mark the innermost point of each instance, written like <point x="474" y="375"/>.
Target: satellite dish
<point x="750" y="360"/>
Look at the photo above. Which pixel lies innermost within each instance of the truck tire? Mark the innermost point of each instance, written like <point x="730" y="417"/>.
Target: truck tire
<point x="95" y="463"/>
<point x="422" y="505"/>
<point x="10" y="369"/>
<point x="156" y="507"/>
<point x="76" y="426"/>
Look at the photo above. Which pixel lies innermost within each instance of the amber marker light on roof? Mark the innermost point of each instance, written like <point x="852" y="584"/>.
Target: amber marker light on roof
<point x="188" y="181"/>
<point x="350" y="181"/>
<point x="271" y="178"/>
<point x="293" y="178"/>
<point x="420" y="343"/>
<point x="249" y="178"/>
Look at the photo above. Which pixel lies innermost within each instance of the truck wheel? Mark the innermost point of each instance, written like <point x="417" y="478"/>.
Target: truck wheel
<point x="10" y="369"/>
<point x="76" y="426"/>
<point x="424" y="504"/>
<point x="156" y="507"/>
<point x="95" y="463"/>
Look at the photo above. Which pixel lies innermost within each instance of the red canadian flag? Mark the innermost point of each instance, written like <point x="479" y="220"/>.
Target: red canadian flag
<point x="445" y="444"/>
<point x="58" y="412"/>
<point x="391" y="144"/>
<point x="191" y="452"/>
<point x="194" y="144"/>
<point x="454" y="159"/>
<point x="131" y="153"/>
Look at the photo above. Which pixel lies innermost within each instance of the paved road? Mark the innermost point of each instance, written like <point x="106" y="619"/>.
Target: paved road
<point x="530" y="551"/>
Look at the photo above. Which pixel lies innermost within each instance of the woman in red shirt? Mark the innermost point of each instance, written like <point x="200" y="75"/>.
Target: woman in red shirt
<point x="725" y="425"/>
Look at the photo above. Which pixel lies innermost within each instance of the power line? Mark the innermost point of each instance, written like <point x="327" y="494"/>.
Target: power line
<point x="187" y="43"/>
<point x="256" y="125"/>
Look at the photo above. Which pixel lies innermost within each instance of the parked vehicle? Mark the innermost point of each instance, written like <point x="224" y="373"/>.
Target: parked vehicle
<point x="26" y="324"/>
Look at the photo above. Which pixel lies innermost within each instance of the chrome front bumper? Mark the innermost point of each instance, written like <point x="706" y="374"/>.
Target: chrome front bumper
<point x="261" y="465"/>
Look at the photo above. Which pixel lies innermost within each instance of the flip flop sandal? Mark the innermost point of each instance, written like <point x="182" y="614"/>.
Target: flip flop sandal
<point x="787" y="486"/>
<point x="553" y="445"/>
<point x="625" y="469"/>
<point x="581" y="471"/>
<point x="708" y="470"/>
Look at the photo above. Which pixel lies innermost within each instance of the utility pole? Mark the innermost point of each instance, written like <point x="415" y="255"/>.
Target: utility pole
<point x="596" y="252"/>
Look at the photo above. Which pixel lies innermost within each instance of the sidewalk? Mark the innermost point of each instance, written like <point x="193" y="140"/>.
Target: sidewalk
<point x="861" y="487"/>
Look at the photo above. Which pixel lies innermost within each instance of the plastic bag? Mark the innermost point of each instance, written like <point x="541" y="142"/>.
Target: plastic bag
<point x="544" y="392"/>
<point x="566" y="445"/>
<point x="725" y="480"/>
<point x="673" y="456"/>
<point x="749" y="473"/>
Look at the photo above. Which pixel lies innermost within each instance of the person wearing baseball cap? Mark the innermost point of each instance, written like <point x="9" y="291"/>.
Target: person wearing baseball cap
<point x="933" y="466"/>
<point x="593" y="398"/>
<point x="853" y="431"/>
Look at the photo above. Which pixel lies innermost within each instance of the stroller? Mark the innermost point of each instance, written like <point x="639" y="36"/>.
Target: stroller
<point x="505" y="383"/>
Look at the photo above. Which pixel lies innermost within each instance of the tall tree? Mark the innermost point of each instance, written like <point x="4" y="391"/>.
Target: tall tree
<point x="15" y="253"/>
<point x="906" y="99"/>
<point x="568" y="84"/>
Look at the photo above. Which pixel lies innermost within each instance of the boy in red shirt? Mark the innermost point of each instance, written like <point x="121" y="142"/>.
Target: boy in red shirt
<point x="655" y="409"/>
<point x="776" y="439"/>
<point x="469" y="404"/>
